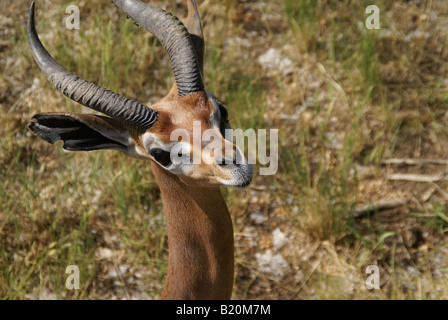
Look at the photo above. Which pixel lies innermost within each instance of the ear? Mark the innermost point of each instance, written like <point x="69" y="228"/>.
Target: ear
<point x="194" y="27"/>
<point x="84" y="132"/>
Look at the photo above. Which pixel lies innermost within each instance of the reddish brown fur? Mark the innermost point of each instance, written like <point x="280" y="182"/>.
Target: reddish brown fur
<point x="200" y="239"/>
<point x="194" y="107"/>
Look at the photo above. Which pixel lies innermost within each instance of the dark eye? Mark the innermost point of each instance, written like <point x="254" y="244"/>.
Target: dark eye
<point x="161" y="156"/>
<point x="224" y="114"/>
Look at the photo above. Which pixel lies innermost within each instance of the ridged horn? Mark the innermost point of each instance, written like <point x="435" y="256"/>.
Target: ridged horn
<point x="129" y="112"/>
<point x="175" y="39"/>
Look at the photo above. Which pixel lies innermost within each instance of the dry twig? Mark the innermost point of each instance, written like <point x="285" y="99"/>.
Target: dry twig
<point x="409" y="161"/>
<point x="379" y="206"/>
<point x="416" y="177"/>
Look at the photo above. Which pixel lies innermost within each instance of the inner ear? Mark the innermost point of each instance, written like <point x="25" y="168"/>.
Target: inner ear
<point x="81" y="132"/>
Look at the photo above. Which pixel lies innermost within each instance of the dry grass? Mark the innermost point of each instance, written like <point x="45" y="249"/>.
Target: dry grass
<point x="343" y="98"/>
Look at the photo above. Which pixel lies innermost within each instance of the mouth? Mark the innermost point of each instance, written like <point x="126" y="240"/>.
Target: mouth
<point x="244" y="184"/>
<point x="239" y="186"/>
<point x="242" y="177"/>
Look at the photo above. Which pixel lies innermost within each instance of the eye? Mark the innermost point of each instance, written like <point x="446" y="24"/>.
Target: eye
<point x="224" y="113"/>
<point x="161" y="156"/>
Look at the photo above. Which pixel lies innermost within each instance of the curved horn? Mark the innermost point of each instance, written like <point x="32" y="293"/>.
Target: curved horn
<point x="174" y="37"/>
<point x="129" y="112"/>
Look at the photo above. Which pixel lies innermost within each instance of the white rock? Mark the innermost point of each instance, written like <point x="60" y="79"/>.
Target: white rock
<point x="279" y="239"/>
<point x="274" y="60"/>
<point x="273" y="265"/>
<point x="104" y="253"/>
<point x="258" y="217"/>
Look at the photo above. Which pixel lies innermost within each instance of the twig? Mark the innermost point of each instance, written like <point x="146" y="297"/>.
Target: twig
<point x="416" y="177"/>
<point x="410" y="161"/>
<point x="379" y="206"/>
<point x="316" y="264"/>
<point x="441" y="191"/>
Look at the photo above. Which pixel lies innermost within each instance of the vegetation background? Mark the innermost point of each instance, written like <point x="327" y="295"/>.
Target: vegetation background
<point x="362" y="118"/>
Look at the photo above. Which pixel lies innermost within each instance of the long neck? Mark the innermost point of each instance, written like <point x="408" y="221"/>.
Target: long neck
<point x="200" y="240"/>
